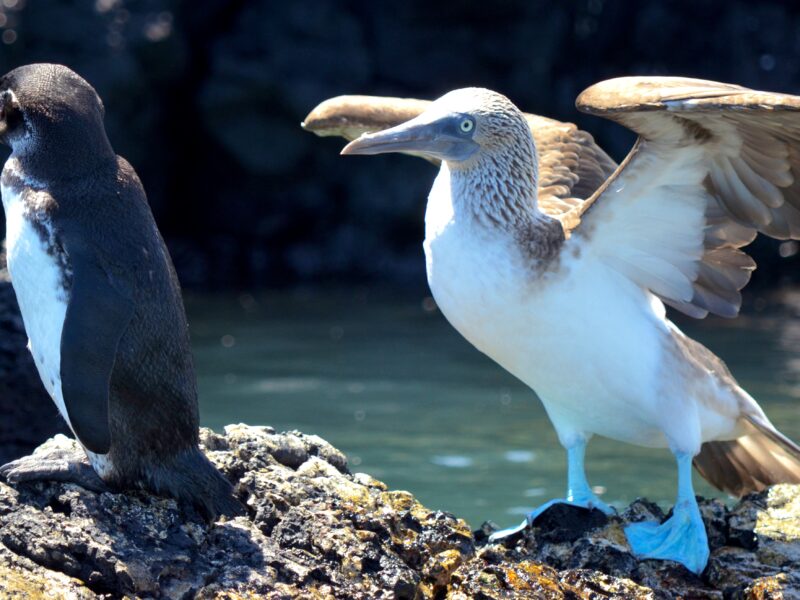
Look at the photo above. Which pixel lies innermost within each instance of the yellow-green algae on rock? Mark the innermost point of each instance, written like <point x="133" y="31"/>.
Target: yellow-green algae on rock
<point x="314" y="530"/>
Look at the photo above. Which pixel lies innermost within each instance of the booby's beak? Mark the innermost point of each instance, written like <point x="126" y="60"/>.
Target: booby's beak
<point x="439" y="139"/>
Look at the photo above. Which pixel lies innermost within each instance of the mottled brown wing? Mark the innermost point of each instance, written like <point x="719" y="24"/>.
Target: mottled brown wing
<point x="571" y="164"/>
<point x="732" y="151"/>
<point x="351" y="116"/>
<point x="753" y="140"/>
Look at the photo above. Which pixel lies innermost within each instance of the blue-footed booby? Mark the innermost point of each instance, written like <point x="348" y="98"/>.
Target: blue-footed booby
<point x="559" y="271"/>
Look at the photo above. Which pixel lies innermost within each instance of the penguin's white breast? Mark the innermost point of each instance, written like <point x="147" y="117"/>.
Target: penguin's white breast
<point x="39" y="286"/>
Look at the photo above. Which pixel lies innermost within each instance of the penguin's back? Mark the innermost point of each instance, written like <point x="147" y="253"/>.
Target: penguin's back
<point x="152" y="392"/>
<point x="153" y="398"/>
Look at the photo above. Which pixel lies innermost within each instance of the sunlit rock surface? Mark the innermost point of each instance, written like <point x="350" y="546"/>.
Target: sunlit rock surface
<point x="315" y="530"/>
<point x="755" y="547"/>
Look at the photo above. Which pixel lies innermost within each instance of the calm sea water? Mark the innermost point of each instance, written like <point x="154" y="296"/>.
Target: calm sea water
<point x="383" y="377"/>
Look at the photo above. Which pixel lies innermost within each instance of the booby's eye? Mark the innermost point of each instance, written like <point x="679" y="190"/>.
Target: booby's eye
<point x="466" y="125"/>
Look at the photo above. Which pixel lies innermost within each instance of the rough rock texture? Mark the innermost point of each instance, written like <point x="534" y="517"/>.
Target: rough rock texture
<point x="314" y="530"/>
<point x="755" y="547"/>
<point x="205" y="97"/>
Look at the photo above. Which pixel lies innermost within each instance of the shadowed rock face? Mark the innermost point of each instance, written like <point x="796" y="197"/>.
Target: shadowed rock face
<point x="315" y="530"/>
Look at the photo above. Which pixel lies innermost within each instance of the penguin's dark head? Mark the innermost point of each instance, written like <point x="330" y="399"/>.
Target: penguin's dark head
<point x="49" y="109"/>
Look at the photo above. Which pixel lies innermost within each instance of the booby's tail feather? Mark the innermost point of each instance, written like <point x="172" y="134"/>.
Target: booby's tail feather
<point x="760" y="458"/>
<point x="190" y="477"/>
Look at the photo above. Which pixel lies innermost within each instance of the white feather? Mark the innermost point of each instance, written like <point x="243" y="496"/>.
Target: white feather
<point x="42" y="298"/>
<point x="589" y="340"/>
<point x="651" y="229"/>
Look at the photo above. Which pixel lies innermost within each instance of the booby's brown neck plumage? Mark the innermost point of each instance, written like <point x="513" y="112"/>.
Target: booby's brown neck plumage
<point x="500" y="182"/>
<point x="499" y="191"/>
<point x="498" y="187"/>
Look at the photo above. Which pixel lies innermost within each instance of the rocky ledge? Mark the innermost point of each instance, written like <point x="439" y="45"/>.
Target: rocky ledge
<point x="315" y="530"/>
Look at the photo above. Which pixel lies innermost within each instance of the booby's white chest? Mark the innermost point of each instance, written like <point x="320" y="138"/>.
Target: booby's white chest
<point x="584" y="341"/>
<point x="39" y="286"/>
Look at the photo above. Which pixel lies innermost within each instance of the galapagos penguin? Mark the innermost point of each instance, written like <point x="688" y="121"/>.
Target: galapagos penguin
<point x="100" y="300"/>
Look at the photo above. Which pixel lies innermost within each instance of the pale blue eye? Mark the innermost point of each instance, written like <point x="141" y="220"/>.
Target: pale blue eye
<point x="466" y="125"/>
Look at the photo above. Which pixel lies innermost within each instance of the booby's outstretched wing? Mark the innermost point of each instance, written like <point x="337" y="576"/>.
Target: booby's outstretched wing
<point x="351" y="116"/>
<point x="571" y="164"/>
<point x="713" y="165"/>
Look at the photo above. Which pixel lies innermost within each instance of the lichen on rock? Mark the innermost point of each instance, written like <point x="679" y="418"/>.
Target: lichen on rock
<point x="316" y="530"/>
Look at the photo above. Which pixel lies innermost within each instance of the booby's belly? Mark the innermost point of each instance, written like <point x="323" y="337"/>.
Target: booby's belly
<point x="589" y="348"/>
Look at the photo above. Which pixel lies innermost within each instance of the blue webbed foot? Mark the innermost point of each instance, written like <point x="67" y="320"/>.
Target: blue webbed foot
<point x="681" y="538"/>
<point x="589" y="502"/>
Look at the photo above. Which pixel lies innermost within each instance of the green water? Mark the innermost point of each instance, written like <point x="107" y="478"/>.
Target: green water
<point x="383" y="377"/>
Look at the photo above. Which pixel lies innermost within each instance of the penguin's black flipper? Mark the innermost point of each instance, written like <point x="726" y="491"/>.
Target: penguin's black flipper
<point x="100" y="307"/>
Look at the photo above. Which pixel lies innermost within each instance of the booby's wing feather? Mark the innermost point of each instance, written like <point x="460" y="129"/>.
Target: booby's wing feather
<point x="351" y="116"/>
<point x="571" y="164"/>
<point x="99" y="310"/>
<point x="714" y="164"/>
<point x="761" y="457"/>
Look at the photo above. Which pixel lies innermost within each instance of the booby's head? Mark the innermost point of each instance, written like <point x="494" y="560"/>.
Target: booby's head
<point x="50" y="108"/>
<point x="459" y="128"/>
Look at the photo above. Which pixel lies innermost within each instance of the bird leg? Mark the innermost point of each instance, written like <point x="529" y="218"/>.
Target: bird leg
<point x="59" y="463"/>
<point x="578" y="493"/>
<point x="682" y="537"/>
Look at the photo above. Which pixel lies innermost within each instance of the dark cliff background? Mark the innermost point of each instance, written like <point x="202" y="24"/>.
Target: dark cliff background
<point x="205" y="98"/>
